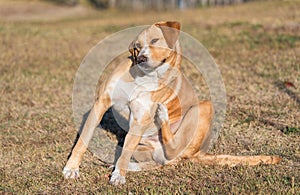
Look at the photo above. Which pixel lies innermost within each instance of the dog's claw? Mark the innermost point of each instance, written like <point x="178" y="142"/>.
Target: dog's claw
<point x="70" y="173"/>
<point x="117" y="179"/>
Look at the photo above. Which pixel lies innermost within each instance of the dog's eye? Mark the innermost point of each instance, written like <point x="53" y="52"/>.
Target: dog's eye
<point x="154" y="41"/>
<point x="138" y="45"/>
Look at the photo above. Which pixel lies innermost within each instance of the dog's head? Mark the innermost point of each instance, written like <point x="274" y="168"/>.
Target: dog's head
<point x="156" y="45"/>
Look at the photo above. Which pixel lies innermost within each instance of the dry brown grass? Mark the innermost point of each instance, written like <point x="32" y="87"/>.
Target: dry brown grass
<point x="257" y="47"/>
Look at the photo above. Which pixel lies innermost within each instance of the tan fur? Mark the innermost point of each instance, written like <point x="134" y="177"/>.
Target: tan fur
<point x="170" y="105"/>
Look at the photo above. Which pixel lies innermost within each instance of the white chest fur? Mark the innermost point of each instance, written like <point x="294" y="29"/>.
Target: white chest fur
<point x="132" y="97"/>
<point x="123" y="91"/>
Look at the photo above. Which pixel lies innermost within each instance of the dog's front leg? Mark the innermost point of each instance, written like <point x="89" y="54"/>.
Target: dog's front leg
<point x="130" y="144"/>
<point x="140" y="120"/>
<point x="71" y="170"/>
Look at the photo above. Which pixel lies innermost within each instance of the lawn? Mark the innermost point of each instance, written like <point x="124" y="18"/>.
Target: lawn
<point x="256" y="46"/>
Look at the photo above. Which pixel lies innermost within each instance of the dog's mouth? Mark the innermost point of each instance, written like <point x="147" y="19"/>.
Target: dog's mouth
<point x="148" y="67"/>
<point x="145" y="67"/>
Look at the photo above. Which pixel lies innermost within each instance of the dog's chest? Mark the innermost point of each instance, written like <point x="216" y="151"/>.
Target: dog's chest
<point x="124" y="92"/>
<point x="132" y="95"/>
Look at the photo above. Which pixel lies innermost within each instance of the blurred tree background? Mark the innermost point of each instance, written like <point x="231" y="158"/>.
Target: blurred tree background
<point x="96" y="3"/>
<point x="65" y="2"/>
<point x="151" y="4"/>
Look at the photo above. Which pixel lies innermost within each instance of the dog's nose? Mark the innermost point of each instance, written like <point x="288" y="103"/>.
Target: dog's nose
<point x="141" y="59"/>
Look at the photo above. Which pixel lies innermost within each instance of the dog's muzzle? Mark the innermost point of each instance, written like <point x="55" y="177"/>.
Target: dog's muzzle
<point x="142" y="59"/>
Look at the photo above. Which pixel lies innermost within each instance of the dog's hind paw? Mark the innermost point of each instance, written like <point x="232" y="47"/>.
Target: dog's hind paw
<point x="162" y="113"/>
<point x="70" y="173"/>
<point x="116" y="178"/>
<point x="133" y="166"/>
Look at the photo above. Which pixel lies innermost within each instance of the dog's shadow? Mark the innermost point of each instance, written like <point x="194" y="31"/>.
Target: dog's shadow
<point x="108" y="130"/>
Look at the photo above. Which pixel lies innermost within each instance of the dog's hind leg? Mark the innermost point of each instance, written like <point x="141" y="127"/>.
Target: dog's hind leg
<point x="193" y="131"/>
<point x="193" y="137"/>
<point x="71" y="170"/>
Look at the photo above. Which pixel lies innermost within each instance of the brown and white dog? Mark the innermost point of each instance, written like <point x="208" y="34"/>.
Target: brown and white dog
<point x="166" y="121"/>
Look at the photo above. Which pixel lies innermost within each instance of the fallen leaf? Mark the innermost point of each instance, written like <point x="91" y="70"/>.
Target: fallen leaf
<point x="289" y="84"/>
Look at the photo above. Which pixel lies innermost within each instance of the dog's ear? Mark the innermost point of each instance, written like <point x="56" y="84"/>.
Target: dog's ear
<point x="170" y="31"/>
<point x="131" y="48"/>
<point x="133" y="51"/>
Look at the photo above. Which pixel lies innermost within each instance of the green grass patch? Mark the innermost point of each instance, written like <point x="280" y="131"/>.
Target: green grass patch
<point x="287" y="40"/>
<point x="291" y="131"/>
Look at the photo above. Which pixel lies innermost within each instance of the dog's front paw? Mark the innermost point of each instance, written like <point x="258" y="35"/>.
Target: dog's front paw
<point x="70" y="173"/>
<point x="117" y="178"/>
<point x="162" y="114"/>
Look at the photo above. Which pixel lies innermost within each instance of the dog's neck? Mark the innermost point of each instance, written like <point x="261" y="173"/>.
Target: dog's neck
<point x="163" y="76"/>
<point x="177" y="55"/>
<point x="152" y="79"/>
<point x="173" y="72"/>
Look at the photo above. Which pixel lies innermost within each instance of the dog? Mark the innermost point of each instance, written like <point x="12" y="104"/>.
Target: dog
<point x="166" y="121"/>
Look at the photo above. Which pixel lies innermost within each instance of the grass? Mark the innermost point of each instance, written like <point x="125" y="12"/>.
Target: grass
<point x="256" y="46"/>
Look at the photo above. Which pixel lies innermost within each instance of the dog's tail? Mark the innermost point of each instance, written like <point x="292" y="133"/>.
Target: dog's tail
<point x="209" y="159"/>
